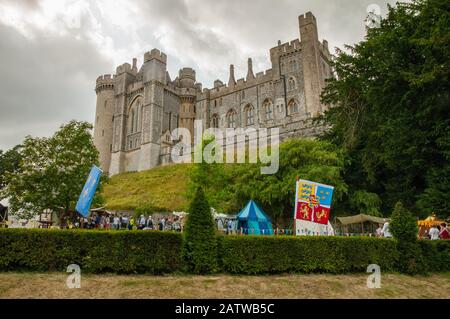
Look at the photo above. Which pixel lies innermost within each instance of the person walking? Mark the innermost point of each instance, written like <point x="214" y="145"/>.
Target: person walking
<point x="142" y="222"/>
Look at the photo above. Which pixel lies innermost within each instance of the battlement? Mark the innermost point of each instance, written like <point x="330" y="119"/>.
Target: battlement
<point x="218" y="83"/>
<point x="307" y="18"/>
<point x="125" y="68"/>
<point x="286" y="48"/>
<point x="104" y="82"/>
<point x="155" y="54"/>
<point x="187" y="73"/>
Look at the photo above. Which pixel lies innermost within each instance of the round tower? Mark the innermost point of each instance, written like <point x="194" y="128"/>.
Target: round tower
<point x="104" y="121"/>
<point x="187" y="99"/>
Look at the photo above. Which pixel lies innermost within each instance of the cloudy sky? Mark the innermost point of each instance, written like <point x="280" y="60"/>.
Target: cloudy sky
<point x="51" y="51"/>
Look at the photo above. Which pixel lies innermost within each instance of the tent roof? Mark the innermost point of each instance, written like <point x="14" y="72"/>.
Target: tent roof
<point x="361" y="218"/>
<point x="253" y="212"/>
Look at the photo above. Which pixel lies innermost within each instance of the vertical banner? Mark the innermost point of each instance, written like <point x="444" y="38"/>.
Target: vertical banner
<point x="88" y="192"/>
<point x="312" y="208"/>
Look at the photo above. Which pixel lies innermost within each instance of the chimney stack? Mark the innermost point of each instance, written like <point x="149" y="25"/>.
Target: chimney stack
<point x="231" y="81"/>
<point x="250" y="75"/>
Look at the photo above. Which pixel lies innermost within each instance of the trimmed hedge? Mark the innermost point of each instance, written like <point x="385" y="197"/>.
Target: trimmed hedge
<point x="160" y="252"/>
<point x="259" y="255"/>
<point x="436" y="255"/>
<point x="93" y="251"/>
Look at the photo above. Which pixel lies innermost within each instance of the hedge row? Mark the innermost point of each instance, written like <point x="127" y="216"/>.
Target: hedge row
<point x="160" y="252"/>
<point x="93" y="251"/>
<point x="253" y="255"/>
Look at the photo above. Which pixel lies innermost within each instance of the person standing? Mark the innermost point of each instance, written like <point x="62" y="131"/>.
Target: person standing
<point x="444" y="234"/>
<point x="131" y="224"/>
<point x="116" y="223"/>
<point x="142" y="222"/>
<point x="379" y="230"/>
<point x="385" y="231"/>
<point x="434" y="233"/>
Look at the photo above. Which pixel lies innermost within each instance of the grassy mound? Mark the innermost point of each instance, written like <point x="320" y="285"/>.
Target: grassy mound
<point x="162" y="188"/>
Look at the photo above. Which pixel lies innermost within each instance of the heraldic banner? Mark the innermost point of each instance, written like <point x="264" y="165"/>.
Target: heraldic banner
<point x="312" y="208"/>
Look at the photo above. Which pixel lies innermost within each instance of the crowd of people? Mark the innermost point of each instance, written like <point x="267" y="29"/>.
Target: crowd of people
<point x="126" y="222"/>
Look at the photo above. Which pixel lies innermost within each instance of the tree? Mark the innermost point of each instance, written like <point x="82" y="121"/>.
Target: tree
<point x="52" y="171"/>
<point x="304" y="158"/>
<point x="403" y="227"/>
<point x="390" y="103"/>
<point x="199" y="245"/>
<point x="9" y="163"/>
<point x="213" y="178"/>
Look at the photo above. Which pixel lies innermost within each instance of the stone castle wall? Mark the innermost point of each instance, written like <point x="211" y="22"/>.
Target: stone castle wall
<point x="137" y="109"/>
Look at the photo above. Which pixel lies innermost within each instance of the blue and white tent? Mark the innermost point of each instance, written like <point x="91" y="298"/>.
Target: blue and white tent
<point x="254" y="221"/>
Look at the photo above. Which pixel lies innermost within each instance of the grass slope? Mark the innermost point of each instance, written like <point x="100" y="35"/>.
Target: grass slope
<point x="163" y="188"/>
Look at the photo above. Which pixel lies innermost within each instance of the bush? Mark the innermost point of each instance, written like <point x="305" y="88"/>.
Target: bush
<point x="93" y="251"/>
<point x="160" y="252"/>
<point x="199" y="246"/>
<point x="264" y="255"/>
<point x="403" y="227"/>
<point x="436" y="255"/>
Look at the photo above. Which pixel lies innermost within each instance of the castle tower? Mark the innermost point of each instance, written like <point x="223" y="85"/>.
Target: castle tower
<point x="154" y="80"/>
<point x="187" y="99"/>
<point x="103" y="128"/>
<point x="311" y="61"/>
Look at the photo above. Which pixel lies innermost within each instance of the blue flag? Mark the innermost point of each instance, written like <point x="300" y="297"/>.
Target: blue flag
<point x="87" y="195"/>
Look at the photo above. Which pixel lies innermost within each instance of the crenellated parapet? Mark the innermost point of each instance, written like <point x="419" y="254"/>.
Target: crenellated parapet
<point x="155" y="54"/>
<point x="104" y="82"/>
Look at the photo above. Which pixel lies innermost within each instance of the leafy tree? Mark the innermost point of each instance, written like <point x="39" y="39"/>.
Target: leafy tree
<point x="304" y="158"/>
<point x="213" y="178"/>
<point x="199" y="245"/>
<point x="9" y="163"/>
<point x="390" y="103"/>
<point x="403" y="227"/>
<point x="52" y="171"/>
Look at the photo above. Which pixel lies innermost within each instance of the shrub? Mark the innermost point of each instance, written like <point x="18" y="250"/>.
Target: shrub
<point x="403" y="227"/>
<point x="93" y="251"/>
<point x="264" y="255"/>
<point x="199" y="246"/>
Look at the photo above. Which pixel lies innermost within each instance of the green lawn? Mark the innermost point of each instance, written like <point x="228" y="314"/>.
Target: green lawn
<point x="163" y="188"/>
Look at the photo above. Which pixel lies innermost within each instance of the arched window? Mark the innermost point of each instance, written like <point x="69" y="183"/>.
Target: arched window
<point x="215" y="121"/>
<point x="231" y="119"/>
<point x="134" y="117"/>
<point x="249" y="115"/>
<point x="268" y="109"/>
<point x="293" y="107"/>
<point x="292" y="85"/>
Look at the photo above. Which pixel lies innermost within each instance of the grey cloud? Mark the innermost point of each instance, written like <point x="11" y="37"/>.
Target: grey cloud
<point x="50" y="79"/>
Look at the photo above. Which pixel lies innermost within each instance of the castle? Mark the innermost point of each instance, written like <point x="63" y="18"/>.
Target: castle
<point x="137" y="110"/>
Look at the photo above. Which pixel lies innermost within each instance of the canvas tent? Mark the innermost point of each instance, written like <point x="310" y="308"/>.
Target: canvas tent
<point x="253" y="221"/>
<point x="359" y="224"/>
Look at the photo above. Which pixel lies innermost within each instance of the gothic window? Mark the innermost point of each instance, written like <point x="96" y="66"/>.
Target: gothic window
<point x="134" y="117"/>
<point x="220" y="102"/>
<point x="249" y="115"/>
<point x="292" y="85"/>
<point x="231" y="119"/>
<point x="215" y="121"/>
<point x="293" y="107"/>
<point x="243" y="95"/>
<point x="268" y="109"/>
